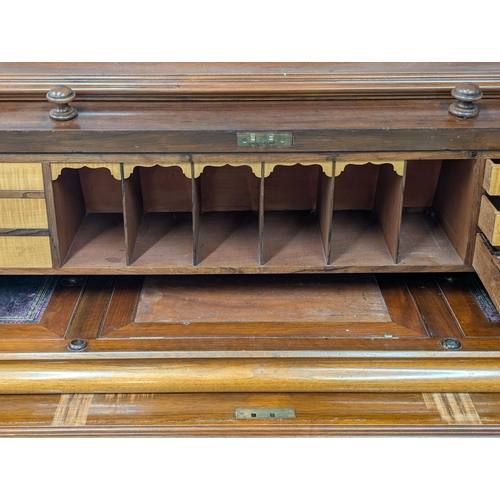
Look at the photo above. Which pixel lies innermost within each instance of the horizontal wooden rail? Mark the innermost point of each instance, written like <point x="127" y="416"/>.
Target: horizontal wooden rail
<point x="249" y="375"/>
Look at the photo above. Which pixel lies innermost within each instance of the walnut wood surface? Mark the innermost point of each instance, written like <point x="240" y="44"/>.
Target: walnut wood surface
<point x="455" y="201"/>
<point x="388" y="206"/>
<point x="317" y="414"/>
<point x="244" y="80"/>
<point x="211" y="127"/>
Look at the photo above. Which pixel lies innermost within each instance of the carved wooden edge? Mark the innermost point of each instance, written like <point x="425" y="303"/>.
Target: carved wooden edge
<point x="217" y="81"/>
<point x="114" y="168"/>
<point x="398" y="165"/>
<point x="328" y="167"/>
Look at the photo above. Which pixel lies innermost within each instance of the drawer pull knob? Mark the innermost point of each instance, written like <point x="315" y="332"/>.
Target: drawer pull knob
<point x="62" y="95"/>
<point x="466" y="94"/>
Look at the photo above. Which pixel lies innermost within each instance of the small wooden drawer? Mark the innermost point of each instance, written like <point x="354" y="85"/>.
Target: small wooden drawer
<point x="487" y="265"/>
<point x="21" y="177"/>
<point x="18" y="213"/>
<point x="25" y="251"/>
<point x="491" y="182"/>
<point x="489" y="219"/>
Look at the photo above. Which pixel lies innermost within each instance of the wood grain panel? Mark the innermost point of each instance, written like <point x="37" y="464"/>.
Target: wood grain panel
<point x="489" y="219"/>
<point x="421" y="181"/>
<point x="25" y="251"/>
<point x="133" y="213"/>
<point x="388" y="206"/>
<point x="331" y="299"/>
<point x="229" y="188"/>
<point x="23" y="213"/>
<point x="21" y="176"/>
<point x="454" y="202"/>
<point x="325" y="212"/>
<point x="248" y="375"/>
<point x="487" y="265"/>
<point x="101" y="191"/>
<point x="491" y="181"/>
<point x="464" y="304"/>
<point x="317" y="414"/>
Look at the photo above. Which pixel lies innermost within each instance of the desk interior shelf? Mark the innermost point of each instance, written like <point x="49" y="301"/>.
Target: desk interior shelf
<point x="257" y="215"/>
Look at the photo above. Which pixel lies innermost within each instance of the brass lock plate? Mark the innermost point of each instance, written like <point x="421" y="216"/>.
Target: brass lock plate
<point x="264" y="413"/>
<point x="264" y="140"/>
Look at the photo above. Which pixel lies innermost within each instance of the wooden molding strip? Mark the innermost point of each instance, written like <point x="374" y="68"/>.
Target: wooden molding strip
<point x="218" y="81"/>
<point x="256" y="166"/>
<point x="248" y="375"/>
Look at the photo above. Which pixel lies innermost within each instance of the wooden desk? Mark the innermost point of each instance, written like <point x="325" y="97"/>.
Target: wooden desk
<point x="250" y="229"/>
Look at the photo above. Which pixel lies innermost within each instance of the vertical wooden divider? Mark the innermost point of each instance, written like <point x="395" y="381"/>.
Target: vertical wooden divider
<point x="389" y="206"/>
<point x="196" y="214"/>
<point x="261" y="214"/>
<point x="133" y="210"/>
<point x="456" y="203"/>
<point x="67" y="204"/>
<point x="324" y="209"/>
<point x="51" y="215"/>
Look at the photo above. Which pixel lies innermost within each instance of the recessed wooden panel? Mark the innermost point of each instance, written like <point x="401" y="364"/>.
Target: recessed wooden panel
<point x="454" y="201"/>
<point x="355" y="187"/>
<point x="252" y="312"/>
<point x="21" y="176"/>
<point x="25" y="251"/>
<point x="165" y="189"/>
<point x="203" y="299"/>
<point x="23" y="213"/>
<point x="229" y="189"/>
<point x="292" y="188"/>
<point x="421" y="182"/>
<point x="101" y="191"/>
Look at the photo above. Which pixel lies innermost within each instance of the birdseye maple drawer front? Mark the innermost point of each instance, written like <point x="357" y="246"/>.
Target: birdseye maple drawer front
<point x="21" y="177"/>
<point x="489" y="219"/>
<point x="25" y="251"/>
<point x="491" y="182"/>
<point x="23" y="213"/>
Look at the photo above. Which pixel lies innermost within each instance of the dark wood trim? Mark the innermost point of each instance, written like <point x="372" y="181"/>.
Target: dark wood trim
<point x="208" y="127"/>
<point x="237" y="158"/>
<point x="24" y="232"/>
<point x="266" y="269"/>
<point x="168" y="81"/>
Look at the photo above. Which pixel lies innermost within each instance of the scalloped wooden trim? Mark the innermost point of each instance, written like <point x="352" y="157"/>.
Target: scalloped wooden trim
<point x="185" y="166"/>
<point x="254" y="165"/>
<point x="114" y="168"/>
<point x="398" y="165"/>
<point x="327" y="166"/>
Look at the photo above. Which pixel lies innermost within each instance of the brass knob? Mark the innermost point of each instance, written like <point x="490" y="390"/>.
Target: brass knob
<point x="466" y="94"/>
<point x="62" y="95"/>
